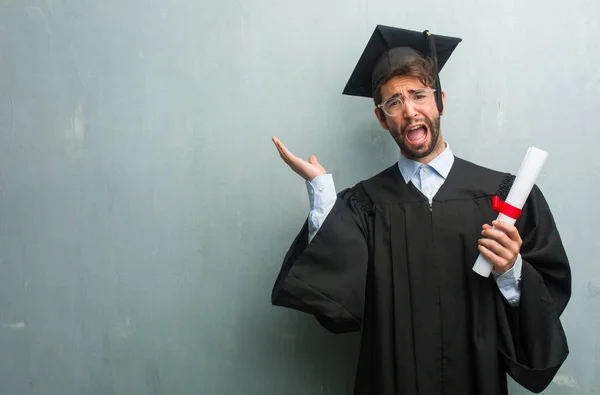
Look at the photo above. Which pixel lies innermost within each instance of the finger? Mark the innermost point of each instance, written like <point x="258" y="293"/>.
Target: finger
<point x="497" y="261"/>
<point x="500" y="237"/>
<point x="278" y="145"/>
<point x="497" y="249"/>
<point x="286" y="154"/>
<point x="313" y="160"/>
<point x="284" y="157"/>
<point x="511" y="231"/>
<point x="277" y="142"/>
<point x="486" y="226"/>
<point x="282" y="148"/>
<point x="280" y="152"/>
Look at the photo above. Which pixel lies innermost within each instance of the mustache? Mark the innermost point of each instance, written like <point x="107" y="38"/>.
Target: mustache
<point x="416" y="121"/>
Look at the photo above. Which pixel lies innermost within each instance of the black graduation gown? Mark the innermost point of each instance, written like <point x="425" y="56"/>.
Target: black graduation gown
<point x="389" y="264"/>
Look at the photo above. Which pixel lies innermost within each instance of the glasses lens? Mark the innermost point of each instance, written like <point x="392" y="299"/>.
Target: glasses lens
<point x="420" y="98"/>
<point x="393" y="106"/>
<point x="417" y="99"/>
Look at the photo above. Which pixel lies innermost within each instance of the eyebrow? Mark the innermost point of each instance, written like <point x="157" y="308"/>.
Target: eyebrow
<point x="397" y="95"/>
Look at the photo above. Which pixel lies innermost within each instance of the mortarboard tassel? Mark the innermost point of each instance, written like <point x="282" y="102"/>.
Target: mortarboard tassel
<point x="438" y="86"/>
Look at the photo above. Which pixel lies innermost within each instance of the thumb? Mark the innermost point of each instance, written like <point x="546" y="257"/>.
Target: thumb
<point x="313" y="160"/>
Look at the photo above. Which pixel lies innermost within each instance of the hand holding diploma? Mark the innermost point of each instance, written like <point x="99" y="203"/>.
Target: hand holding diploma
<point x="503" y="242"/>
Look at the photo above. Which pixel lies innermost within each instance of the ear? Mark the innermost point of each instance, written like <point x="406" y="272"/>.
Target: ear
<point x="381" y="118"/>
<point x="443" y="101"/>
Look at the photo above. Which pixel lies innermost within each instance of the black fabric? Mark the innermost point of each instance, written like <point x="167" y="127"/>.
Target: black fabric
<point x="504" y="187"/>
<point x="389" y="264"/>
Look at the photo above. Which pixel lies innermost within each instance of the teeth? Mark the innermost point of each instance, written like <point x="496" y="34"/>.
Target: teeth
<point x="416" y="127"/>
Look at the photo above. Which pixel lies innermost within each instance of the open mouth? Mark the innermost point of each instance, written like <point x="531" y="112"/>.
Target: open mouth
<point x="416" y="134"/>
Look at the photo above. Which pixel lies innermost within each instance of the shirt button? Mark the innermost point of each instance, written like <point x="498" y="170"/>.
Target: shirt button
<point x="321" y="188"/>
<point x="425" y="170"/>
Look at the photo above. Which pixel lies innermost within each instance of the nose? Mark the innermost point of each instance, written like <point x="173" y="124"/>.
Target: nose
<point x="409" y="110"/>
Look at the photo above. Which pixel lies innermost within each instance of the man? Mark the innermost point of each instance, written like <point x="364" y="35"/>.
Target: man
<point x="393" y="255"/>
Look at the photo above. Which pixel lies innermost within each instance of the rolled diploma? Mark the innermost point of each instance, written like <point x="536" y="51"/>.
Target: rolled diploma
<point x="521" y="188"/>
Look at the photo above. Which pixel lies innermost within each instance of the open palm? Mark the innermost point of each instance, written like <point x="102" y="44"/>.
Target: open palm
<point x="306" y="169"/>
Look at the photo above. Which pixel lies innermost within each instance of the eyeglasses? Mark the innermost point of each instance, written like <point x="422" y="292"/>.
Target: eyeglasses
<point x="394" y="105"/>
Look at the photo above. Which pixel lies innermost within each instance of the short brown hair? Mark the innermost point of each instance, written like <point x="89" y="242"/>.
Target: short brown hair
<point x="413" y="66"/>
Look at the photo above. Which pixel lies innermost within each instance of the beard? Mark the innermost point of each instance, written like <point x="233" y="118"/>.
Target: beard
<point x="433" y="128"/>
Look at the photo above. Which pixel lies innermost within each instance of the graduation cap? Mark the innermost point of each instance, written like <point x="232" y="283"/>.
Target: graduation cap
<point x="387" y="49"/>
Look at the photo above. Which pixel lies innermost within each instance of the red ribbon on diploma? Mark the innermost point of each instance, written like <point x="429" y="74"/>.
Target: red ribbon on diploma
<point x="505" y="208"/>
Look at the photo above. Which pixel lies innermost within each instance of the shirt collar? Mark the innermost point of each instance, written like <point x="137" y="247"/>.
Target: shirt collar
<point x="441" y="164"/>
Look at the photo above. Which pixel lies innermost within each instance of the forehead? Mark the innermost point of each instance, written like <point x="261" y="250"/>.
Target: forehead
<point x="401" y="85"/>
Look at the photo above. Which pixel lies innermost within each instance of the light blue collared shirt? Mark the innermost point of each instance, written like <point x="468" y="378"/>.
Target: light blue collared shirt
<point x="428" y="178"/>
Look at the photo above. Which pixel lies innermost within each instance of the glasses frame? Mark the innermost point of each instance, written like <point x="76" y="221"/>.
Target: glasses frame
<point x="402" y="101"/>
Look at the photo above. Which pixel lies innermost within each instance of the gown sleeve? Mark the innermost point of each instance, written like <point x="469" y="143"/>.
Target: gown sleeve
<point x="327" y="277"/>
<point x="532" y="341"/>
